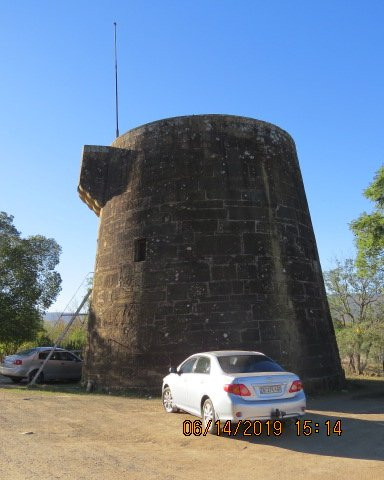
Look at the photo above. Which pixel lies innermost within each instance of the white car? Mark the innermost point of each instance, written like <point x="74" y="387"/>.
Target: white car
<point x="233" y="385"/>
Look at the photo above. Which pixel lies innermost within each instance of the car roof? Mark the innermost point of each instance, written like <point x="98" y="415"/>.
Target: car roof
<point x="224" y="353"/>
<point x="49" y="348"/>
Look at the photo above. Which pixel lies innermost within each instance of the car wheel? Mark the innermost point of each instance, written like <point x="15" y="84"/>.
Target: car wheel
<point x="16" y="379"/>
<point x="168" y="405"/>
<point x="209" y="416"/>
<point x="39" y="379"/>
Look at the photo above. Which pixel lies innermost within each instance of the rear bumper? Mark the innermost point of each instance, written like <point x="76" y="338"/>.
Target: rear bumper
<point x="261" y="410"/>
<point x="13" y="371"/>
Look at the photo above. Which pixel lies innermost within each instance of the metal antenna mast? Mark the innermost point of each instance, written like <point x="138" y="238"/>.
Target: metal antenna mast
<point x="116" y="94"/>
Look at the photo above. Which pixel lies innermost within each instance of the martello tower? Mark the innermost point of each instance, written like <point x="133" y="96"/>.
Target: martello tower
<point x="205" y="243"/>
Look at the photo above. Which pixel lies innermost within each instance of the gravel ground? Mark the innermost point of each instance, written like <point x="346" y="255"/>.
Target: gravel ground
<point x="49" y="435"/>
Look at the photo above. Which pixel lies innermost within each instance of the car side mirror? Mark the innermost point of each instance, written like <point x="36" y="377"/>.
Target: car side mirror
<point x="172" y="370"/>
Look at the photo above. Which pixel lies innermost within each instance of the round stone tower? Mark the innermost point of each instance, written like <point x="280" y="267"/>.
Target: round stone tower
<point x="205" y="243"/>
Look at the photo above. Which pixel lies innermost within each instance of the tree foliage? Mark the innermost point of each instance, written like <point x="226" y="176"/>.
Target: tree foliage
<point x="357" y="309"/>
<point x="74" y="340"/>
<point x="28" y="281"/>
<point x="369" y="228"/>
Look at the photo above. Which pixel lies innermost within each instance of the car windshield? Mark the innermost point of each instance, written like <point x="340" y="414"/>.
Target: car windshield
<point x="25" y="353"/>
<point x="248" y="364"/>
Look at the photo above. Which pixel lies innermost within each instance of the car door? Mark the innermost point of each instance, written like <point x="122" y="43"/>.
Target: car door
<point x="70" y="367"/>
<point x="198" y="383"/>
<point x="52" y="367"/>
<point x="181" y="383"/>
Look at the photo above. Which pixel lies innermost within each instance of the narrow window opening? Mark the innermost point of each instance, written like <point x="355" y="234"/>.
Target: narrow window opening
<point x="140" y="249"/>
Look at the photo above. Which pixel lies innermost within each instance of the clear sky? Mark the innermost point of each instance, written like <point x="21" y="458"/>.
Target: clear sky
<point x="314" y="68"/>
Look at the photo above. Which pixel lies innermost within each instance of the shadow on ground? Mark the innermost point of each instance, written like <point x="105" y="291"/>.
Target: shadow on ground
<point x="72" y="387"/>
<point x="359" y="439"/>
<point x="360" y="396"/>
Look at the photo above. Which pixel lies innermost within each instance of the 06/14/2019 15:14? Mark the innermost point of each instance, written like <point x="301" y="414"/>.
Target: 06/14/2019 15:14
<point x="249" y="428"/>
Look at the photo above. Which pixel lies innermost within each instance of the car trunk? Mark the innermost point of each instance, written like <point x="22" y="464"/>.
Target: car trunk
<point x="9" y="359"/>
<point x="266" y="386"/>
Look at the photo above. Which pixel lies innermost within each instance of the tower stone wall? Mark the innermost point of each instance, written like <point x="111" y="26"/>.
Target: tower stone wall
<point x="205" y="243"/>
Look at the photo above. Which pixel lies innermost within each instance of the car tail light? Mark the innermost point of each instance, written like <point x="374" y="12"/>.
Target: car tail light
<point x="296" y="386"/>
<point x="17" y="362"/>
<point x="237" y="389"/>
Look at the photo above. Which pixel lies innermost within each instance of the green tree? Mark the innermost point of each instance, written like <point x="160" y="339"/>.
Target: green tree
<point x="74" y="340"/>
<point x="369" y="228"/>
<point x="28" y="282"/>
<point x="356" y="304"/>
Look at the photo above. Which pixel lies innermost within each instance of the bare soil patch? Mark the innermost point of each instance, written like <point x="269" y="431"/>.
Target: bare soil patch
<point x="59" y="435"/>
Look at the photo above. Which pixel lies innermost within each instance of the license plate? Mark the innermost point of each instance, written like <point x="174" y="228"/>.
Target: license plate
<point x="270" y="389"/>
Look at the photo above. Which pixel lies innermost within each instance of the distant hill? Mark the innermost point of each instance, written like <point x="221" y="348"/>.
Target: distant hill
<point x="54" y="316"/>
<point x="51" y="316"/>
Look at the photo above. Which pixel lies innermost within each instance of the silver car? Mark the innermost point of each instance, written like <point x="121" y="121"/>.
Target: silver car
<point x="62" y="365"/>
<point x="233" y="385"/>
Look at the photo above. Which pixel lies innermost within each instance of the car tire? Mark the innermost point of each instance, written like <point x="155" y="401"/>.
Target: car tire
<point x="208" y="415"/>
<point x="39" y="379"/>
<point x="16" y="379"/>
<point x="167" y="399"/>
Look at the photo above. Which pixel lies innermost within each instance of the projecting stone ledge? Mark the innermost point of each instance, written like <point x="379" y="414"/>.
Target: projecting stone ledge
<point x="104" y="173"/>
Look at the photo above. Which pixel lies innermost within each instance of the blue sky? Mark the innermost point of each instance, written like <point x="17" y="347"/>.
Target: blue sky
<point x="314" y="68"/>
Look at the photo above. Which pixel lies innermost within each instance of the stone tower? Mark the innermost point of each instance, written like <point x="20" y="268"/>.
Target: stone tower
<point x="205" y="243"/>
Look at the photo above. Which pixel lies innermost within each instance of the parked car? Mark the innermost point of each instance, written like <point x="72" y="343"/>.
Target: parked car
<point x="233" y="385"/>
<point x="63" y="365"/>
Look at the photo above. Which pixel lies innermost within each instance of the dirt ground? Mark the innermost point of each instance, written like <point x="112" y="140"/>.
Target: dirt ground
<point x="55" y="434"/>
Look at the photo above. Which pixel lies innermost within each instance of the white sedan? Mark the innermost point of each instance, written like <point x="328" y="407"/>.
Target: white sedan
<point x="233" y="385"/>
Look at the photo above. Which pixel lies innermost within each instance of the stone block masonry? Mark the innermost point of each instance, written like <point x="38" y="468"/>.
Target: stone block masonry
<point x="205" y="243"/>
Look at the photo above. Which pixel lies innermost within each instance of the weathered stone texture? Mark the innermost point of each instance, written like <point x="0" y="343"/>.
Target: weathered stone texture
<point x="231" y="259"/>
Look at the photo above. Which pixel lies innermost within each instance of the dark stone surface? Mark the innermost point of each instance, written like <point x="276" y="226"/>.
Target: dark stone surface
<point x="231" y="259"/>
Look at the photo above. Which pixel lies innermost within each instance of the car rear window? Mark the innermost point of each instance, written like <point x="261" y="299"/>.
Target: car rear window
<point x="248" y="364"/>
<point x="25" y="353"/>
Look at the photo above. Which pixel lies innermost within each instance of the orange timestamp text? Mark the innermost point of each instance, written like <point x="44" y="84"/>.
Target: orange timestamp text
<point x="248" y="428"/>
